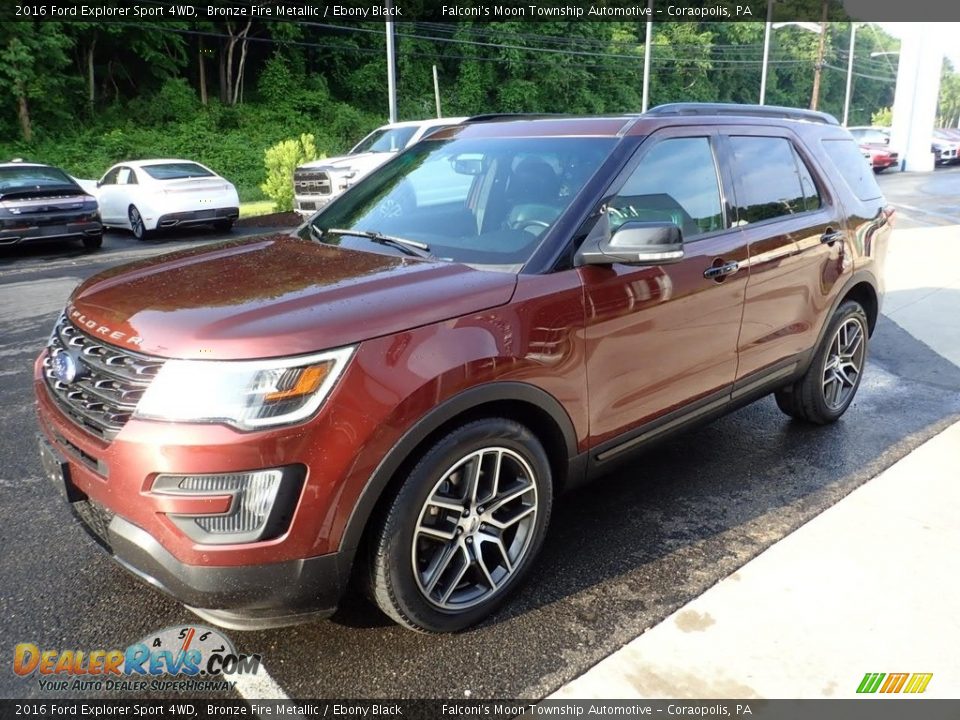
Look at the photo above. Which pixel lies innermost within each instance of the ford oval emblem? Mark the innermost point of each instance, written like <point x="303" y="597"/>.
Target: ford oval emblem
<point x="65" y="367"/>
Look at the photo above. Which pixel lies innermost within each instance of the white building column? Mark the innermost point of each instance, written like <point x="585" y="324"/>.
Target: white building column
<point x="915" y="102"/>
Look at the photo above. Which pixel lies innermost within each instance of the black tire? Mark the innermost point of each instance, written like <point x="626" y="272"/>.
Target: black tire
<point x="223" y="225"/>
<point x="393" y="582"/>
<point x="815" y="398"/>
<point x="137" y="226"/>
<point x="93" y="242"/>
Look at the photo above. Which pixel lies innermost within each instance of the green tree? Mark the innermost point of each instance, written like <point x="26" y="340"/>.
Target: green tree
<point x="32" y="58"/>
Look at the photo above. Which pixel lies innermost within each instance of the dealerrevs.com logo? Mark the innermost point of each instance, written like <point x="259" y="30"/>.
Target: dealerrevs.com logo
<point x="190" y="658"/>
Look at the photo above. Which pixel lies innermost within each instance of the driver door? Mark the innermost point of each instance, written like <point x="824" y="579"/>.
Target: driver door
<point x="662" y="340"/>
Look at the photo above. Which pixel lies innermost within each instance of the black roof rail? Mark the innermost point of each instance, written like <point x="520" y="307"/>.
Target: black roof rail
<point x="771" y="111"/>
<point x="488" y="117"/>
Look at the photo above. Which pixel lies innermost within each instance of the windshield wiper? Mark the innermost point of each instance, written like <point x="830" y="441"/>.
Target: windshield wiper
<point x="411" y="247"/>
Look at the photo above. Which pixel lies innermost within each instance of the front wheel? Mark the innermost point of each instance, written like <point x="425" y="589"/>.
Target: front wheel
<point x="464" y="527"/>
<point x="826" y="390"/>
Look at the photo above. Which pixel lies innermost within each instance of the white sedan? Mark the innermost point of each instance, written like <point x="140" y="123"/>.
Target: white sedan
<point x="149" y="195"/>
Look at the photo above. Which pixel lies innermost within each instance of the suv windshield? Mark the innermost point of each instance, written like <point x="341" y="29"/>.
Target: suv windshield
<point x="389" y="140"/>
<point x="481" y="201"/>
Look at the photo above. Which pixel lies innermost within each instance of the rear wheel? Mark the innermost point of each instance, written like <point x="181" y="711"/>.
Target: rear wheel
<point x="137" y="226"/>
<point x="464" y="527"/>
<point x="223" y="225"/>
<point x="93" y="242"/>
<point x="828" y="387"/>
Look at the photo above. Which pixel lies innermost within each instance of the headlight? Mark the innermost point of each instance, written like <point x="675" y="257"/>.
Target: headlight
<point x="246" y="394"/>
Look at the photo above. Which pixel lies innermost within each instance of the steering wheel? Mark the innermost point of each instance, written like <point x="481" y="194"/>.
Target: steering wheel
<point x="524" y="224"/>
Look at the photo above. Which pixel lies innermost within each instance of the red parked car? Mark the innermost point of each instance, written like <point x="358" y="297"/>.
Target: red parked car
<point x="503" y="311"/>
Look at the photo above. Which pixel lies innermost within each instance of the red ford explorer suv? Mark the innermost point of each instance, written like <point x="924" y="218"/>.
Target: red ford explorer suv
<point x="397" y="395"/>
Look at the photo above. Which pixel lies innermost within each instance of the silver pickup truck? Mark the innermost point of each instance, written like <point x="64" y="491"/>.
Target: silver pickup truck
<point x="316" y="183"/>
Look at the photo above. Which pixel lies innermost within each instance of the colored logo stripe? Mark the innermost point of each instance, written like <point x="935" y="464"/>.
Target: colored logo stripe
<point x="870" y="682"/>
<point x="894" y="683"/>
<point x="918" y="683"/>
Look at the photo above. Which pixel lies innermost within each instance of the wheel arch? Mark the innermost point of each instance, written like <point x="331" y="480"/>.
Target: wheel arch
<point x="530" y="405"/>
<point x="866" y="294"/>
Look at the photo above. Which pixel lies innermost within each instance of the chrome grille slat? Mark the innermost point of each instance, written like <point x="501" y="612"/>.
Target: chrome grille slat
<point x="105" y="396"/>
<point x="308" y="182"/>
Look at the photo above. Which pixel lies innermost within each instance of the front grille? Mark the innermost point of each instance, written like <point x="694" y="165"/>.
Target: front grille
<point x="311" y="182"/>
<point x="109" y="384"/>
<point x="96" y="519"/>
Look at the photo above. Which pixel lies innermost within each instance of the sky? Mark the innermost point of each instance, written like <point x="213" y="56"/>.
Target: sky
<point x="949" y="31"/>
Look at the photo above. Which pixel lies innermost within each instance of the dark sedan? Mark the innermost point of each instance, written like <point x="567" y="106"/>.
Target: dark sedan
<point x="41" y="202"/>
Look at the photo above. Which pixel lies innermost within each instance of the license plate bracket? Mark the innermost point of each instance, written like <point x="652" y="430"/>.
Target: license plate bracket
<point x="57" y="470"/>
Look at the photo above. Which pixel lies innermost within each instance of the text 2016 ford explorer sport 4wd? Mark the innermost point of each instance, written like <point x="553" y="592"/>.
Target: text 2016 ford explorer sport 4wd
<point x="499" y="313"/>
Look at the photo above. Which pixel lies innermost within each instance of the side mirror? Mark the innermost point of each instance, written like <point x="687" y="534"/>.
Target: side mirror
<point x="635" y="243"/>
<point x="468" y="164"/>
<point x="99" y="183"/>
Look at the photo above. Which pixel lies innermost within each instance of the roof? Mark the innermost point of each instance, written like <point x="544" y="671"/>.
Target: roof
<point x="539" y="126"/>
<point x="25" y="164"/>
<point x="428" y="121"/>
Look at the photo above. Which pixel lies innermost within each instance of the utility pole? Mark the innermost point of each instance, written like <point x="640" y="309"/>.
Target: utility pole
<point x="646" y="57"/>
<point x="766" y="52"/>
<point x="821" y="51"/>
<point x="436" y="90"/>
<point x="846" y="97"/>
<point x="391" y="66"/>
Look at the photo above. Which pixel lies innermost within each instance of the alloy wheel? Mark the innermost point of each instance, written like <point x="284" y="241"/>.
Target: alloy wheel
<point x="843" y="363"/>
<point x="475" y="528"/>
<point x="136" y="222"/>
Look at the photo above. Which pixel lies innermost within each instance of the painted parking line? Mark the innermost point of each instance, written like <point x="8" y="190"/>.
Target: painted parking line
<point x="260" y="686"/>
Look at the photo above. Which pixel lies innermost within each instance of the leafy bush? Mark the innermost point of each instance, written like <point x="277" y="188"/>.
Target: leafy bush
<point x="231" y="140"/>
<point x="882" y="117"/>
<point x="281" y="160"/>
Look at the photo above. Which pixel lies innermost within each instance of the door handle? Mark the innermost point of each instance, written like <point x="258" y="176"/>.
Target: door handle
<point x="715" y="272"/>
<point x="831" y="236"/>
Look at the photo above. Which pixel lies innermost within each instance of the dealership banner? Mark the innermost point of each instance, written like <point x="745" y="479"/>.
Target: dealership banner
<point x="353" y="11"/>
<point x="892" y="709"/>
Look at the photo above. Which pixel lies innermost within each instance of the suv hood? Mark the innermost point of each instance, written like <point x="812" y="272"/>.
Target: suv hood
<point x="275" y="296"/>
<point x="362" y="162"/>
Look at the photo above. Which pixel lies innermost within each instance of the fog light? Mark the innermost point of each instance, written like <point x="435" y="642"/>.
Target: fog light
<point x="261" y="506"/>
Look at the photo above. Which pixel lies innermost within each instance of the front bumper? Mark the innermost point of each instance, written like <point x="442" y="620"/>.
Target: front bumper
<point x="198" y="217"/>
<point x="242" y="597"/>
<point x="307" y="205"/>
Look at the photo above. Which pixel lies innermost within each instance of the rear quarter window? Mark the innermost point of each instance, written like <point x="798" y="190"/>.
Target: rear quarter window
<point x="854" y="168"/>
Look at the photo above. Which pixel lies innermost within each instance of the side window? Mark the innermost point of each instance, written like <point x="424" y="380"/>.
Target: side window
<point x="126" y="177"/>
<point x="770" y="182"/>
<point x="675" y="182"/>
<point x="111" y="177"/>
<point x="846" y="158"/>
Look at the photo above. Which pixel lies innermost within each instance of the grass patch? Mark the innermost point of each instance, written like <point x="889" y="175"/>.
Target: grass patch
<point x="252" y="209"/>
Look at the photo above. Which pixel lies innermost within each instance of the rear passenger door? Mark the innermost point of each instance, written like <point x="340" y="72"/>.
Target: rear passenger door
<point x="661" y="340"/>
<point x="793" y="225"/>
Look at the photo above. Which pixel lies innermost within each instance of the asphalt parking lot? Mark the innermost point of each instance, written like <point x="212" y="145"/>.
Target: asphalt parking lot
<point x="621" y="554"/>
